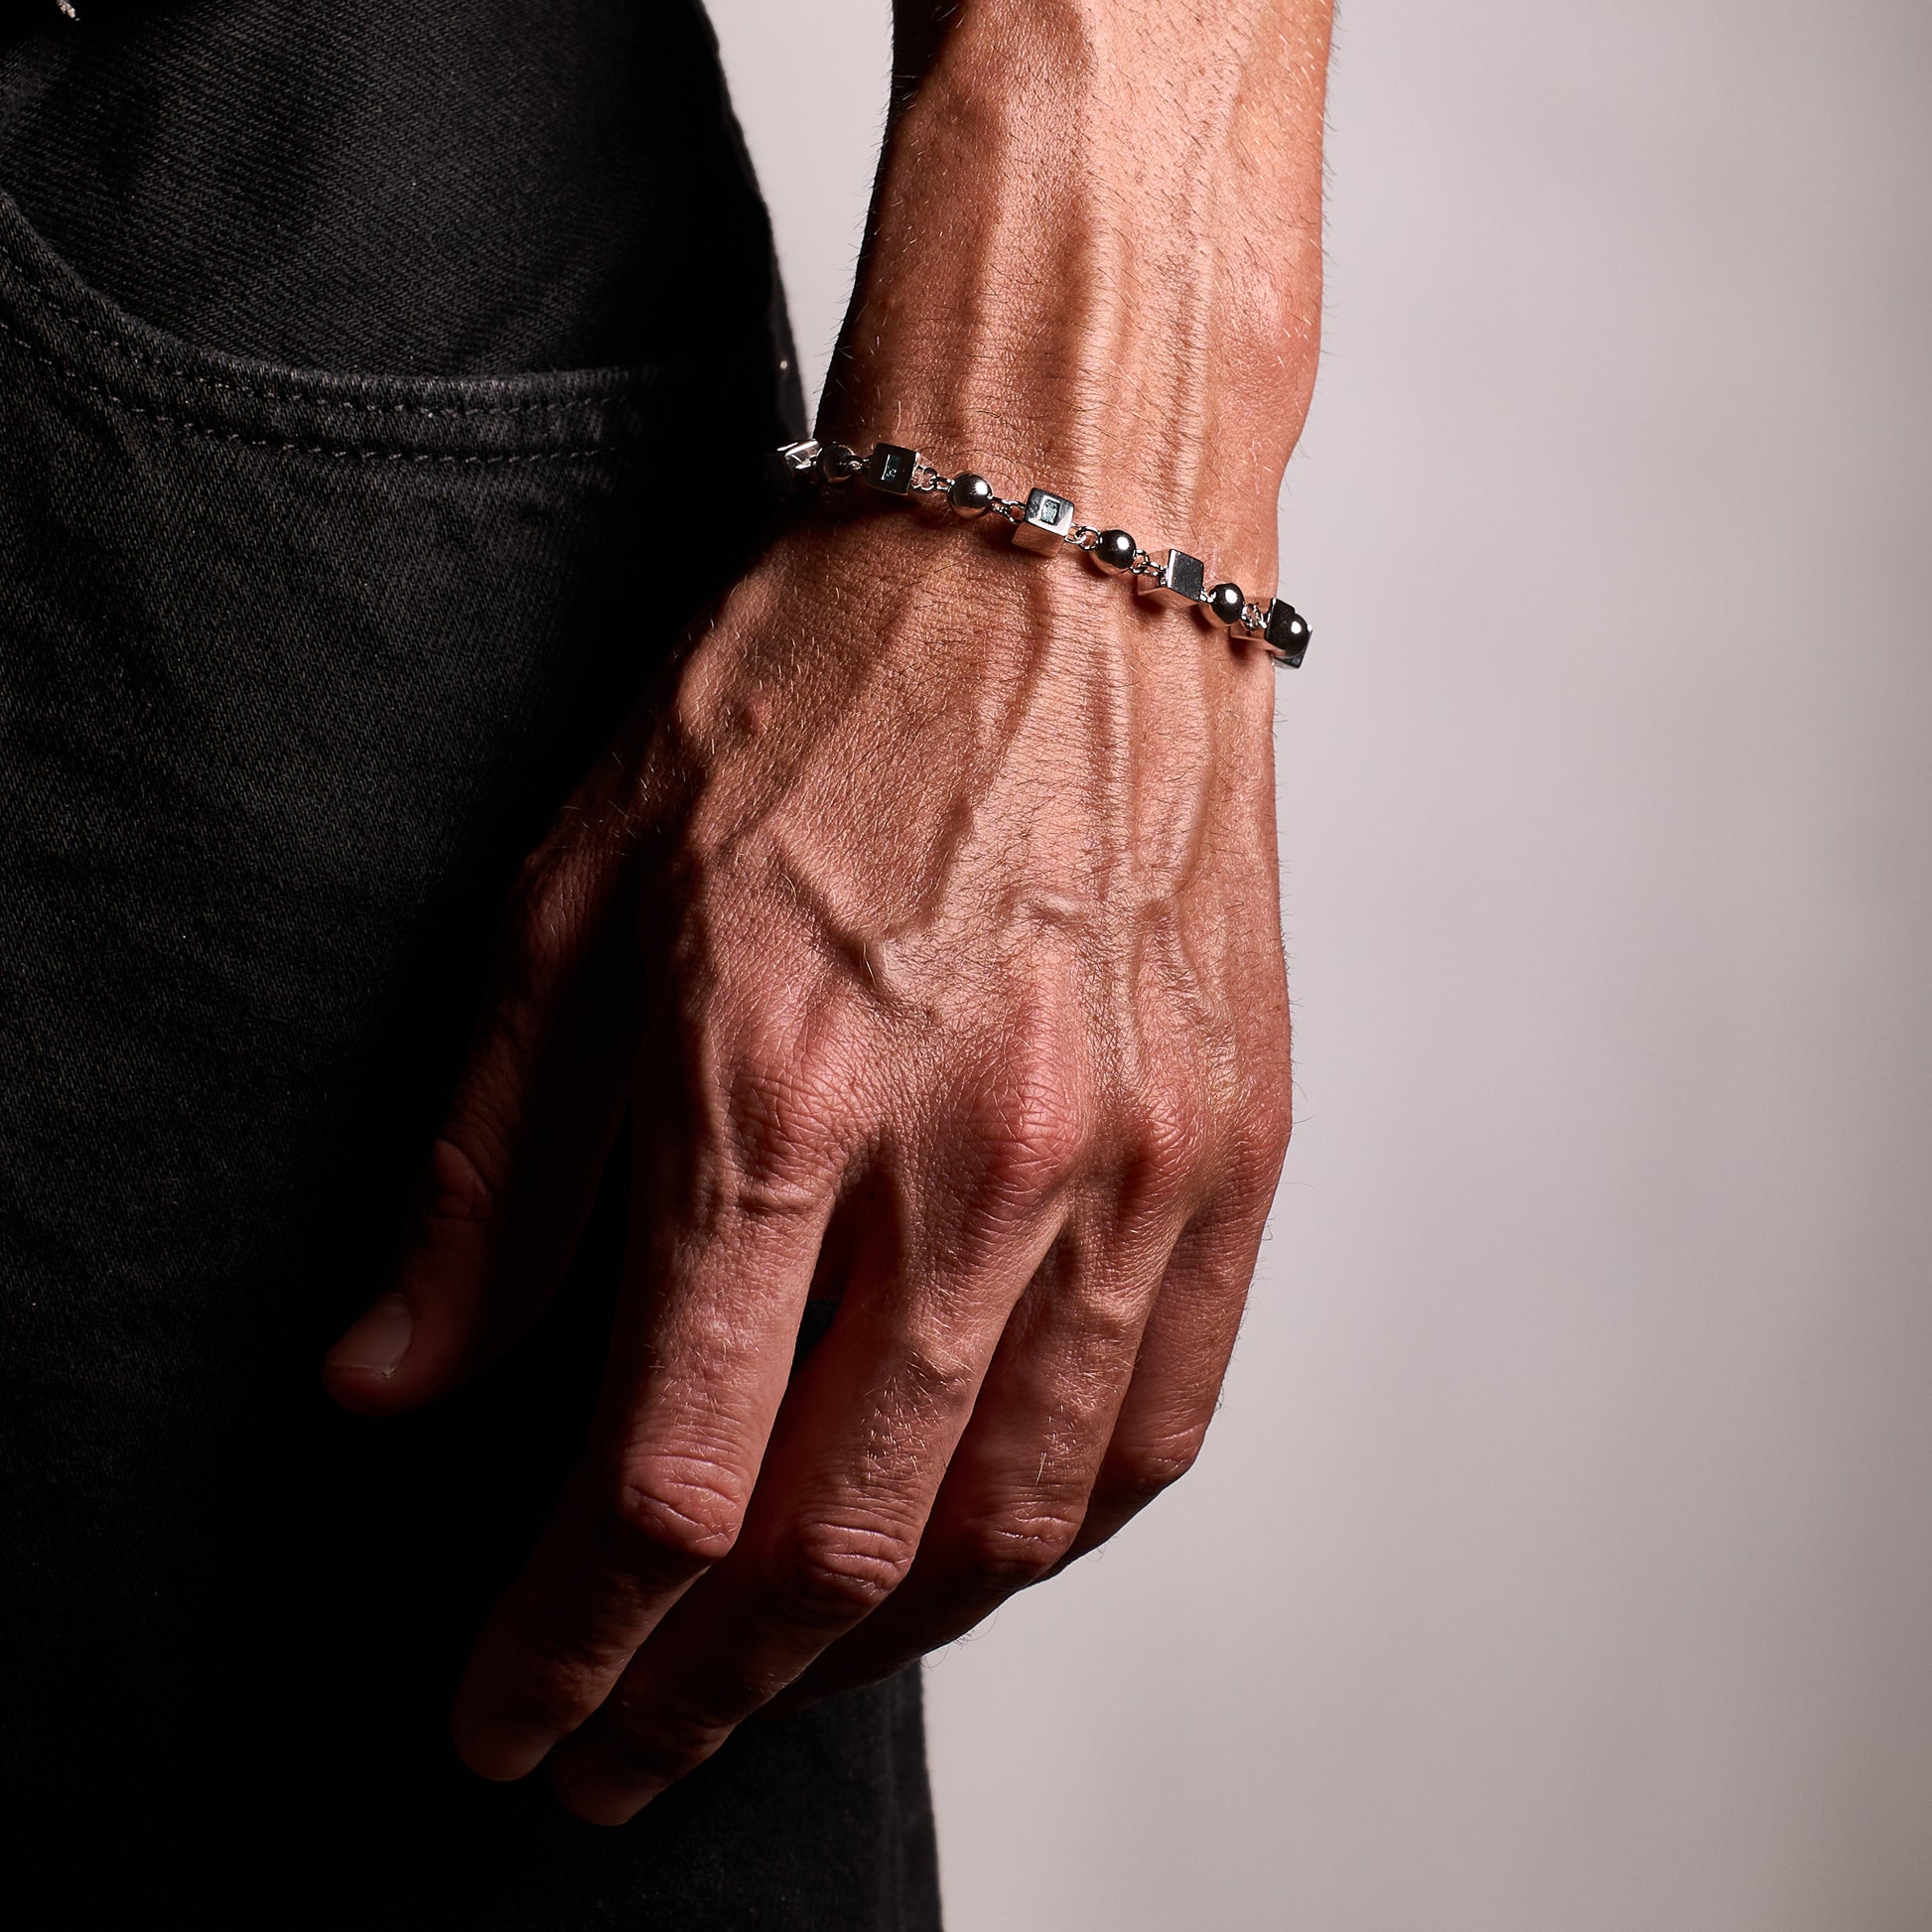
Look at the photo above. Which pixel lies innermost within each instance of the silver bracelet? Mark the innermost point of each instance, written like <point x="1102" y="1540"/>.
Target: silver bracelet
<point x="1044" y="522"/>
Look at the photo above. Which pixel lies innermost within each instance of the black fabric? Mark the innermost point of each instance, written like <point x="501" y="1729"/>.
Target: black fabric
<point x="293" y="668"/>
<point x="442" y="186"/>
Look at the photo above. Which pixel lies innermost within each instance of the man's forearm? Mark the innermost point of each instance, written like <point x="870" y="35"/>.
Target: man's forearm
<point x="1095" y="255"/>
<point x="939" y="904"/>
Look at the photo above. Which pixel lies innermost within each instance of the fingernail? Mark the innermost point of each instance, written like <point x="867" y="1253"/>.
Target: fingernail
<point x="376" y="1344"/>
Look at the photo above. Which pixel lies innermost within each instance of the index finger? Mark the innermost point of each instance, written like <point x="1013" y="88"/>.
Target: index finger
<point x="697" y="1373"/>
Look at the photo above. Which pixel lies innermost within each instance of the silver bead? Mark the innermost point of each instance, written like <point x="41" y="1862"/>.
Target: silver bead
<point x="1180" y="578"/>
<point x="891" y="468"/>
<point x="1113" y="550"/>
<point x="969" y="494"/>
<point x="1225" y="602"/>
<point x="837" y="464"/>
<point x="1286" y="634"/>
<point x="1048" y="524"/>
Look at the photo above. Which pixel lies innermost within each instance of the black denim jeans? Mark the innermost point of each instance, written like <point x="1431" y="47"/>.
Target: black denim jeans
<point x="293" y="669"/>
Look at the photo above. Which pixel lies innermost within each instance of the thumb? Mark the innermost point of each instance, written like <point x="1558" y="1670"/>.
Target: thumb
<point x="512" y="1174"/>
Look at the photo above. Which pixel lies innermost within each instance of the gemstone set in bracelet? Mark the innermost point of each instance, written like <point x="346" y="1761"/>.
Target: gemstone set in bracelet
<point x="1044" y="521"/>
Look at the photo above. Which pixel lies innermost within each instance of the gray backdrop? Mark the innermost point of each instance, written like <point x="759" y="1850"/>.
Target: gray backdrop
<point x="1560" y="1561"/>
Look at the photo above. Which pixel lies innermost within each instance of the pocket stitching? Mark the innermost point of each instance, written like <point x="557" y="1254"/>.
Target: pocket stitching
<point x="356" y="453"/>
<point x="42" y="293"/>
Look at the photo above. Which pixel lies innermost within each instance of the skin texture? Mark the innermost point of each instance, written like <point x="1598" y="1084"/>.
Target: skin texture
<point x="927" y="924"/>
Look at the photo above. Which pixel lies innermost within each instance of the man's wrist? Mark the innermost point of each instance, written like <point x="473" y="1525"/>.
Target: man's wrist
<point x="1055" y="287"/>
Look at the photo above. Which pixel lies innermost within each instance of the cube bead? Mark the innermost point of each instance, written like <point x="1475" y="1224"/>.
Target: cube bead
<point x="891" y="468"/>
<point x="1048" y="524"/>
<point x="1182" y="579"/>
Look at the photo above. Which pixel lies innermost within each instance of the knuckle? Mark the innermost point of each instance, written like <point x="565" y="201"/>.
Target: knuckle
<point x="544" y="912"/>
<point x="1272" y="1112"/>
<point x="666" y="1737"/>
<point x="828" y="1574"/>
<point x="1259" y="1135"/>
<point x="1035" y="1139"/>
<point x="1178" y="1132"/>
<point x="1113" y="1317"/>
<point x="1000" y="1553"/>
<point x="1171" y="1139"/>
<point x="683" y="1510"/>
<point x="786" y="1135"/>
<point x="562" y="1676"/>
<point x="1270" y="1097"/>
<point x="1137" y="1472"/>
<point x="933" y="1376"/>
<point x="549" y="1677"/>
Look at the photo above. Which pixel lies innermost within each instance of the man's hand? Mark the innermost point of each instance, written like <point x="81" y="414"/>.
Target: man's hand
<point x="930" y="930"/>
